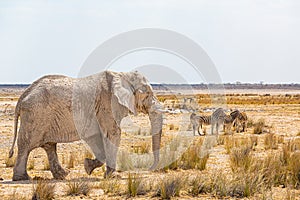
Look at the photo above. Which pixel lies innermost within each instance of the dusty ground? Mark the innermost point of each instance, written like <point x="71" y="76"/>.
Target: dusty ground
<point x="282" y="119"/>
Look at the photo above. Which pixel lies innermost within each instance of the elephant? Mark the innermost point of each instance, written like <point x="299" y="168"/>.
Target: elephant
<point x="60" y="109"/>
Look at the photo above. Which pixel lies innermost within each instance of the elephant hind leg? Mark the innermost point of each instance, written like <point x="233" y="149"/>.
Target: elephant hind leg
<point x="20" y="172"/>
<point x="57" y="171"/>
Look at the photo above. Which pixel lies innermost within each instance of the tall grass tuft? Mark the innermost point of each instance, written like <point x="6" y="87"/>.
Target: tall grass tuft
<point x="79" y="187"/>
<point x="43" y="190"/>
<point x="271" y="141"/>
<point x="170" y="187"/>
<point x="240" y="158"/>
<point x="259" y="126"/>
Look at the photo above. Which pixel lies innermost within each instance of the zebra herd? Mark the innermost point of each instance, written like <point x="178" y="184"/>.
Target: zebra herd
<point x="235" y="119"/>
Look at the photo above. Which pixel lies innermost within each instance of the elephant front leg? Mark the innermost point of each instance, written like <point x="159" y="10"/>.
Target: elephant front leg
<point x="57" y="171"/>
<point x="20" y="172"/>
<point x="112" y="145"/>
<point x="91" y="164"/>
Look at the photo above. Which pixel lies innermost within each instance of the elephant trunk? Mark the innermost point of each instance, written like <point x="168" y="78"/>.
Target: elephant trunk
<point x="156" y="120"/>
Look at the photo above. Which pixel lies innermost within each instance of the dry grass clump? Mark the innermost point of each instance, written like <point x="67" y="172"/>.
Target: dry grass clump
<point x="259" y="126"/>
<point x="240" y="158"/>
<point x="43" y="190"/>
<point x="71" y="161"/>
<point x="135" y="186"/>
<point x="170" y="187"/>
<point x="10" y="162"/>
<point x="111" y="186"/>
<point x="124" y="161"/>
<point x="145" y="147"/>
<point x="271" y="141"/>
<point x="194" y="158"/>
<point x="78" y="187"/>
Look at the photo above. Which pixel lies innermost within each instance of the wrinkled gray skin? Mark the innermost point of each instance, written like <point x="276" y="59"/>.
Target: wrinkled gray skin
<point x="59" y="109"/>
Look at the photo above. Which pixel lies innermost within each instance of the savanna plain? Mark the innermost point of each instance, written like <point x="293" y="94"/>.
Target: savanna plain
<point x="263" y="162"/>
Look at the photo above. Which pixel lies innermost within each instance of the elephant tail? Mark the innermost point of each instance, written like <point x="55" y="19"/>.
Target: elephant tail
<point x="17" y="114"/>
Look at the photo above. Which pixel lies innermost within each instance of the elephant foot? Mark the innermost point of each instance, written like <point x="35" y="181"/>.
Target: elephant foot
<point x="22" y="177"/>
<point x="91" y="164"/>
<point x="60" y="175"/>
<point x="109" y="173"/>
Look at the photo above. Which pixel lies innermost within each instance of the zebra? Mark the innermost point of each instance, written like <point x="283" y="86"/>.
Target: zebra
<point x="199" y="120"/>
<point x="230" y="119"/>
<point x="242" y="120"/>
<point x="217" y="118"/>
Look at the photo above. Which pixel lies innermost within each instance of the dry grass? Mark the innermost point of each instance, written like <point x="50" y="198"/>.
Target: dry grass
<point x="271" y="141"/>
<point x="78" y="187"/>
<point x="46" y="164"/>
<point x="240" y="158"/>
<point x="170" y="187"/>
<point x="259" y="126"/>
<point x="124" y="161"/>
<point x="136" y="186"/>
<point x="30" y="164"/>
<point x="17" y="196"/>
<point x="193" y="158"/>
<point x="10" y="162"/>
<point x="43" y="190"/>
<point x="71" y="161"/>
<point x="111" y="186"/>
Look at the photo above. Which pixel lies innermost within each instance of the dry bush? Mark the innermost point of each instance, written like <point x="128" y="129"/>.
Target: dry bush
<point x="10" y="162"/>
<point x="270" y="141"/>
<point x="240" y="158"/>
<point x="259" y="126"/>
<point x="43" y="190"/>
<point x="78" y="187"/>
<point x="170" y="187"/>
<point x="280" y="139"/>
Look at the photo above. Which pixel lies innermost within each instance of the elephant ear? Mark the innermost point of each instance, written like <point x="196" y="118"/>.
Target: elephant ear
<point x="123" y="90"/>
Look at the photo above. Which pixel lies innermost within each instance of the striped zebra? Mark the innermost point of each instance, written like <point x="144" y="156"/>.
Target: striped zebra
<point x="241" y="121"/>
<point x="199" y="120"/>
<point x="217" y="119"/>
<point x="230" y="120"/>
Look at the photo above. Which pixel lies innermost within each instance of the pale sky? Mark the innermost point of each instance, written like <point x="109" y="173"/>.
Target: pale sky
<point x="248" y="41"/>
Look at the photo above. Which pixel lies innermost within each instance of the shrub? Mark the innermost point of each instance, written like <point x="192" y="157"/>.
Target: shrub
<point x="79" y="187"/>
<point x="43" y="190"/>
